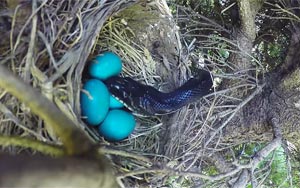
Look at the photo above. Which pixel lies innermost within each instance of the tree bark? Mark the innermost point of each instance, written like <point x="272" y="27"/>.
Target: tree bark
<point x="41" y="171"/>
<point x="280" y="99"/>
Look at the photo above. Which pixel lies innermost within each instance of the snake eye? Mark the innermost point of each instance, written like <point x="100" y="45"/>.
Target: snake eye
<point x="115" y="86"/>
<point x="125" y="95"/>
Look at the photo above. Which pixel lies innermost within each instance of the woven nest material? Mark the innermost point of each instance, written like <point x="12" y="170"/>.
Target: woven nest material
<point x="51" y="49"/>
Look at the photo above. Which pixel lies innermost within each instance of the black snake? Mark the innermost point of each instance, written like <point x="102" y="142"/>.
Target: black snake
<point x="147" y="101"/>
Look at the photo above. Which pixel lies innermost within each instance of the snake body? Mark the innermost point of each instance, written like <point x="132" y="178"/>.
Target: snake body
<point x="145" y="100"/>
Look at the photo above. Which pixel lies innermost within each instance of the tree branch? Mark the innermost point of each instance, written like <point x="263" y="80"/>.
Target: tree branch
<point x="36" y="145"/>
<point x="75" y="141"/>
<point x="111" y="151"/>
<point x="44" y="171"/>
<point x="262" y="154"/>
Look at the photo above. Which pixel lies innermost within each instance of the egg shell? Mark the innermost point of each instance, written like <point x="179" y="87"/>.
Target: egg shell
<point x="114" y="103"/>
<point x="105" y="65"/>
<point x="117" y="125"/>
<point x="94" y="100"/>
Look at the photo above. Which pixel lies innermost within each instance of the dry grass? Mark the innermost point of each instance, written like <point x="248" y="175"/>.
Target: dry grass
<point x="51" y="48"/>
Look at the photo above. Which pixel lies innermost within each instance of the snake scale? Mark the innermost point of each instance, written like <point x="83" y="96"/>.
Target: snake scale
<point x="145" y="100"/>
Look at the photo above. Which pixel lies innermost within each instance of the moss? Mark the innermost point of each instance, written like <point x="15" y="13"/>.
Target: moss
<point x="139" y="17"/>
<point x="292" y="82"/>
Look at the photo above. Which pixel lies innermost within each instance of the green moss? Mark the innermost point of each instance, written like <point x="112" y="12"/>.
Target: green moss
<point x="139" y="16"/>
<point x="292" y="82"/>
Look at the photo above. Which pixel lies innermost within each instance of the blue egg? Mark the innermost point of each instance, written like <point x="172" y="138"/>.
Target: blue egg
<point x="117" y="125"/>
<point x="114" y="103"/>
<point x="94" y="100"/>
<point x="105" y="65"/>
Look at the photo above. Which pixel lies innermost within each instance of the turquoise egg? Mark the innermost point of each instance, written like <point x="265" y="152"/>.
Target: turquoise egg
<point x="94" y="100"/>
<point x="117" y="125"/>
<point x="105" y="65"/>
<point x="114" y="103"/>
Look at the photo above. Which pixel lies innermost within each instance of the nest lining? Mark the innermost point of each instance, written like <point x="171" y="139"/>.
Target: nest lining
<point x="68" y="34"/>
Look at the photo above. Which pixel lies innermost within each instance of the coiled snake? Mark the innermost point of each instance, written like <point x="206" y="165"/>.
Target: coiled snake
<point x="147" y="101"/>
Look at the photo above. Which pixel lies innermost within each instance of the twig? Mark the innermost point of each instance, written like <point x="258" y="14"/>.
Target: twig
<point x="270" y="147"/>
<point x="74" y="140"/>
<point x="48" y="48"/>
<point x="107" y="150"/>
<point x="242" y="179"/>
<point x="253" y="179"/>
<point x="275" y="143"/>
<point x="143" y="171"/>
<point x="238" y="108"/>
<point x="30" y="53"/>
<point x="18" y="40"/>
<point x="233" y="113"/>
<point x="288" y="163"/>
<point x="14" y="119"/>
<point x="170" y="171"/>
<point x="11" y="37"/>
<point x="36" y="145"/>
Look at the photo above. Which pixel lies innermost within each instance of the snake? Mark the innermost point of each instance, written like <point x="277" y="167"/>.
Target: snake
<point x="144" y="100"/>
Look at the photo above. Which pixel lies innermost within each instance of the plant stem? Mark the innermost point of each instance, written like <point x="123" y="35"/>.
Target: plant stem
<point x="36" y="145"/>
<point x="75" y="141"/>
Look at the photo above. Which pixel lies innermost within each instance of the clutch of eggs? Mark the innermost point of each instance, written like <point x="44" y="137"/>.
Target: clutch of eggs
<point x="98" y="106"/>
<point x="94" y="100"/>
<point x="117" y="125"/>
<point x="105" y="65"/>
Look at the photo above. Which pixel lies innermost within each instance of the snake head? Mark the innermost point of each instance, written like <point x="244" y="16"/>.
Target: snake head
<point x="123" y="87"/>
<point x="146" y="101"/>
<point x="201" y="83"/>
<point x="126" y="90"/>
<point x="204" y="79"/>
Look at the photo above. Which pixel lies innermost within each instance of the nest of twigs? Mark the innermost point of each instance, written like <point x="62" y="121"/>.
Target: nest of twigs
<point x="49" y="43"/>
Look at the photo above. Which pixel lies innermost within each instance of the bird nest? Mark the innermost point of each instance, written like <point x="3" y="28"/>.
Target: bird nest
<point x="49" y="44"/>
